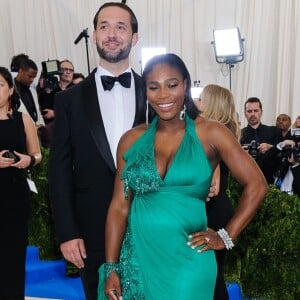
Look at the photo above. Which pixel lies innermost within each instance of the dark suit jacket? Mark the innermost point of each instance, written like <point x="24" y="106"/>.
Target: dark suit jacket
<point x="81" y="166"/>
<point x="269" y="161"/>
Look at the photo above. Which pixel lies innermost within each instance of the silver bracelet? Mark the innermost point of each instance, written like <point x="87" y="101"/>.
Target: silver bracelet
<point x="227" y="240"/>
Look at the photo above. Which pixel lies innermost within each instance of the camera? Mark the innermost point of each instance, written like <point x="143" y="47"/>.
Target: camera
<point x="10" y="154"/>
<point x="252" y="148"/>
<point x="295" y="132"/>
<point x="51" y="68"/>
<point x="289" y="150"/>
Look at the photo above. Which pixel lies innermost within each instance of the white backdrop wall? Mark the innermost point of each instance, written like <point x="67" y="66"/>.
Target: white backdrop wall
<point x="271" y="28"/>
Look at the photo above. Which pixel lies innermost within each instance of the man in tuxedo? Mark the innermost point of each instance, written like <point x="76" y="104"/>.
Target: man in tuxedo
<point x="266" y="138"/>
<point x="90" y="118"/>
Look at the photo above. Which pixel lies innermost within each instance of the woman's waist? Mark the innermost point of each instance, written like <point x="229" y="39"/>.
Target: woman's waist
<point x="170" y="212"/>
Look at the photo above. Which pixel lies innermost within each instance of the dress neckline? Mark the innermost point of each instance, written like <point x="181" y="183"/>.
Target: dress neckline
<point x="154" y="124"/>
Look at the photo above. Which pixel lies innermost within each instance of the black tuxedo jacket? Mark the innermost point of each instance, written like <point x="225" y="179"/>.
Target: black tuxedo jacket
<point x="81" y="166"/>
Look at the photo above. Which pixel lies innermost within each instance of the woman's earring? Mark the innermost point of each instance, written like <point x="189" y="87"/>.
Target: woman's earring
<point x="147" y="112"/>
<point x="182" y="113"/>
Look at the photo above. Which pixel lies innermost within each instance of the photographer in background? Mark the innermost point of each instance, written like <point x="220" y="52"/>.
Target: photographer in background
<point x="261" y="138"/>
<point x="288" y="175"/>
<point x="48" y="87"/>
<point x="284" y="122"/>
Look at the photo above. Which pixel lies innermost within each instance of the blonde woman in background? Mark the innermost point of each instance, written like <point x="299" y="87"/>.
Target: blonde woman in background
<point x="217" y="103"/>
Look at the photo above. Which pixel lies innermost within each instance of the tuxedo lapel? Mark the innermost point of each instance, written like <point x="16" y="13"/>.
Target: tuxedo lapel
<point x="91" y="106"/>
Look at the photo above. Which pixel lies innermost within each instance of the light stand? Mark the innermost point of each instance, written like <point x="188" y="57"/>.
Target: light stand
<point x="230" y="65"/>
<point x="84" y="34"/>
<point x="229" y="48"/>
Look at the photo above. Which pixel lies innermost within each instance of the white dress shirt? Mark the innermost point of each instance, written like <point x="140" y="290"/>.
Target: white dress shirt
<point x="117" y="108"/>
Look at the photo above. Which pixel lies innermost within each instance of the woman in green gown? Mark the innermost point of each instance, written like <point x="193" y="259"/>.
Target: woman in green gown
<point x="163" y="177"/>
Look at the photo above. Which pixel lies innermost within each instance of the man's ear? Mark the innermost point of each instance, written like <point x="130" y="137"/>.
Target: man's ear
<point x="135" y="38"/>
<point x="94" y="37"/>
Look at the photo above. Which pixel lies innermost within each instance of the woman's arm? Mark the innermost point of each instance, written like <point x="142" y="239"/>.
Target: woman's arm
<point x="247" y="172"/>
<point x="221" y="144"/>
<point x="33" y="156"/>
<point x="119" y="207"/>
<point x="116" y="223"/>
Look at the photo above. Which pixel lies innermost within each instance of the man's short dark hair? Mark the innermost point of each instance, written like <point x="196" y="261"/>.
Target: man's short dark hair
<point x="27" y="64"/>
<point x="253" y="100"/>
<point x="16" y="61"/>
<point x="134" y="22"/>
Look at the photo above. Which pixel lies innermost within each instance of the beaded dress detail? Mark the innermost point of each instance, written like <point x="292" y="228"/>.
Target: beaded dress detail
<point x="155" y="261"/>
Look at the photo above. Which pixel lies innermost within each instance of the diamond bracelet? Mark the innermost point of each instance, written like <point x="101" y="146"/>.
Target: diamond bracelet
<point x="223" y="234"/>
<point x="110" y="267"/>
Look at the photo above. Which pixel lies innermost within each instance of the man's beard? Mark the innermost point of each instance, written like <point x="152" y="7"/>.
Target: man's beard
<point x="253" y="121"/>
<point x="114" y="58"/>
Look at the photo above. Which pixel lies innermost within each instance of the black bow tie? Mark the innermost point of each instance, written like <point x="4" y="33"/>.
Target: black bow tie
<point x="109" y="81"/>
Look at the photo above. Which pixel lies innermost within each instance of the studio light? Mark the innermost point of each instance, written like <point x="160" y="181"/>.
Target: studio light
<point x="228" y="45"/>
<point x="148" y="53"/>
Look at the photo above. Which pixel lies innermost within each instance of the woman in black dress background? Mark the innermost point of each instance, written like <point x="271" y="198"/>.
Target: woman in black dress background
<point x="19" y="150"/>
<point x="217" y="103"/>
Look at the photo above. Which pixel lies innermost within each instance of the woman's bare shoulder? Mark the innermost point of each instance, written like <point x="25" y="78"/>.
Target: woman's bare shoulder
<point x="129" y="137"/>
<point x="212" y="132"/>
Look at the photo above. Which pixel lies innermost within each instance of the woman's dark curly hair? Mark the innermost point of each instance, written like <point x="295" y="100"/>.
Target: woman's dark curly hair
<point x="177" y="63"/>
<point x="14" y="100"/>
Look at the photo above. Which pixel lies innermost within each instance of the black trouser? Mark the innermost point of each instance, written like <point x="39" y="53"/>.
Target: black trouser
<point x="89" y="274"/>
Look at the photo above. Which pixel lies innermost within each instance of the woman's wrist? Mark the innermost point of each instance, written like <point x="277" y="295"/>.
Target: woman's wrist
<point x="227" y="240"/>
<point x="35" y="158"/>
<point x="32" y="161"/>
<point x="110" y="267"/>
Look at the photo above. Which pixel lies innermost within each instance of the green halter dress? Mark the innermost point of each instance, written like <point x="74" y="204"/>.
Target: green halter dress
<point x="155" y="261"/>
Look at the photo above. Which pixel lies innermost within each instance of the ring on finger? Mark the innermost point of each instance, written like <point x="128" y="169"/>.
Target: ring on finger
<point x="207" y="239"/>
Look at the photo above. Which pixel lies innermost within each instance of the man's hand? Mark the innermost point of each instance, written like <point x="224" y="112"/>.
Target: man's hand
<point x="74" y="252"/>
<point x="212" y="191"/>
<point x="264" y="147"/>
<point x="215" y="184"/>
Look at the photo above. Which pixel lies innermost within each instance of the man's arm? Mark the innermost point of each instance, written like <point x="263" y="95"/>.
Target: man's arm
<point x="60" y="174"/>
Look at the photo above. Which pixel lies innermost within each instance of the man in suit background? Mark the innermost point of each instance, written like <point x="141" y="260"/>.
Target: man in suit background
<point x="27" y="92"/>
<point x="89" y="121"/>
<point x="266" y="138"/>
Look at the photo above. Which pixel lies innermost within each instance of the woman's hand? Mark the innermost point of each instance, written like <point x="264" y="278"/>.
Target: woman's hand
<point x="24" y="161"/>
<point x="210" y="239"/>
<point x="5" y="162"/>
<point x="112" y="287"/>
